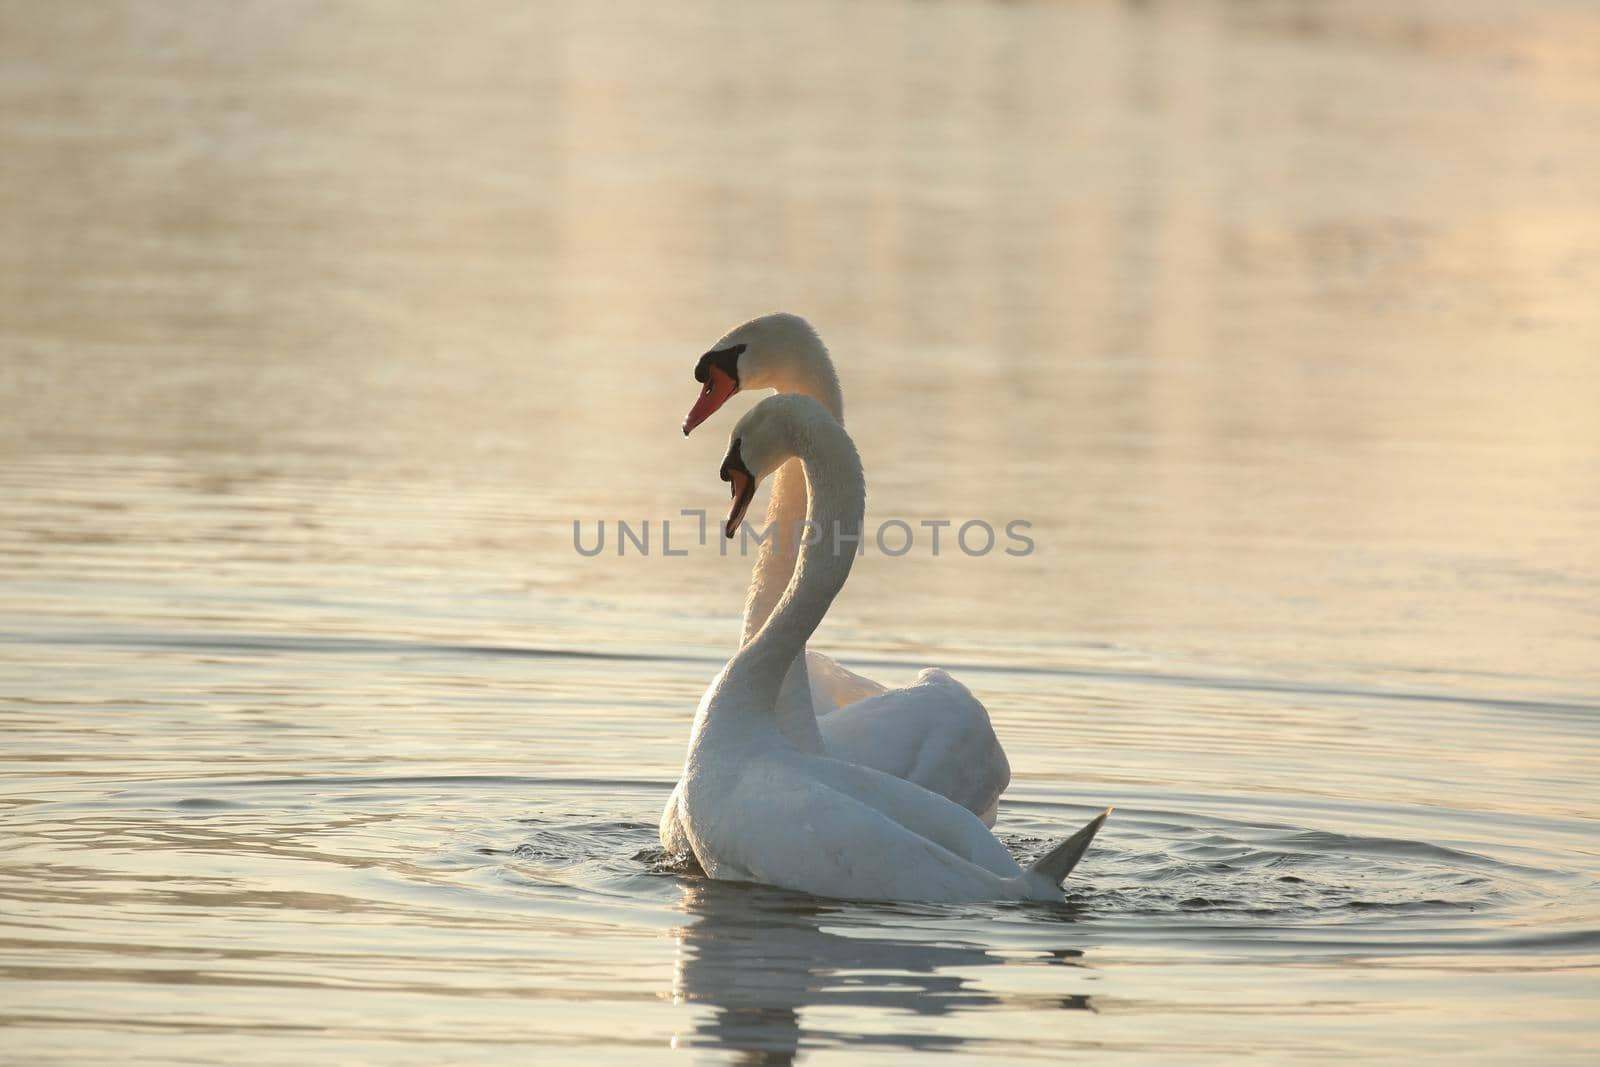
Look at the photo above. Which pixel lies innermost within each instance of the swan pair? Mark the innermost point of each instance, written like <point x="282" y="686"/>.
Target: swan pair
<point x="799" y="773"/>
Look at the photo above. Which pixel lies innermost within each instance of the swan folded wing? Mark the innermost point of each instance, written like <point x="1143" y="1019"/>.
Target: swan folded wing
<point x="834" y="686"/>
<point x="828" y="843"/>
<point x="924" y="813"/>
<point x="934" y="733"/>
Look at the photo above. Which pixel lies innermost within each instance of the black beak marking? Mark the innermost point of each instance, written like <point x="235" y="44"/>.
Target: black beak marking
<point x="724" y="359"/>
<point x="733" y="461"/>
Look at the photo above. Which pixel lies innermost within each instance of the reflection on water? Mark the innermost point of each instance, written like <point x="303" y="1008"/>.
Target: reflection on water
<point x="319" y="325"/>
<point x="761" y="956"/>
<point x="1282" y="318"/>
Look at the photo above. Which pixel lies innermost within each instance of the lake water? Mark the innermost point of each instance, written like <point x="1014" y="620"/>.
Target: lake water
<point x="321" y="325"/>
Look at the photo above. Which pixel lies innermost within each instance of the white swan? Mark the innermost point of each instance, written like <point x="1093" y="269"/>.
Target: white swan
<point x="751" y="805"/>
<point x="933" y="732"/>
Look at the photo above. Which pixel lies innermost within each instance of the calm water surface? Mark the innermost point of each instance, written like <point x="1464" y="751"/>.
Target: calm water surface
<point x="319" y="326"/>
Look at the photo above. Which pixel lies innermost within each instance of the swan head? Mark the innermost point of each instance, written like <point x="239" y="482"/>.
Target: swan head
<point x="766" y="437"/>
<point x="760" y="354"/>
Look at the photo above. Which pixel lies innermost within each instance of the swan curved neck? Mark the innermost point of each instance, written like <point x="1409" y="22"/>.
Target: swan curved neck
<point x="775" y="559"/>
<point x="807" y="370"/>
<point x="799" y="364"/>
<point x="811" y="374"/>
<point x="836" y="497"/>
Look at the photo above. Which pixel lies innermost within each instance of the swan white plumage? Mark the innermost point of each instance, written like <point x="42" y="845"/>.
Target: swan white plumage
<point x="933" y="732"/>
<point x="754" y="807"/>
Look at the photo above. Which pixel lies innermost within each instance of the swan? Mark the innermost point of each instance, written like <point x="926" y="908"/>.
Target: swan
<point x="933" y="732"/>
<point x="754" y="807"/>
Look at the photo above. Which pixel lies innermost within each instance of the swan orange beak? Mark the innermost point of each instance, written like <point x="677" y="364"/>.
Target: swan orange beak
<point x="744" y="487"/>
<point x="719" y="386"/>
<point x="742" y="484"/>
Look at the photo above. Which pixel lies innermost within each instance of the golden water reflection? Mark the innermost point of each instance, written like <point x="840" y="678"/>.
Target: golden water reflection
<point x="320" y="324"/>
<point x="1276" y="321"/>
<point x="761" y="959"/>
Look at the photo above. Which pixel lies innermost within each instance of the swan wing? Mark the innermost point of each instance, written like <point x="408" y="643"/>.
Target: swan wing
<point x="933" y="732"/>
<point x="924" y="813"/>
<point x="800" y="833"/>
<point x="834" y="686"/>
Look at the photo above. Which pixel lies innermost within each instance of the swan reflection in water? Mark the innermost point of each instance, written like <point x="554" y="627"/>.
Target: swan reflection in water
<point x="759" y="956"/>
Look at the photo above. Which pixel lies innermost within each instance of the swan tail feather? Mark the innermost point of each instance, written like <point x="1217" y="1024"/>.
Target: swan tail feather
<point x="1059" y="861"/>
